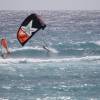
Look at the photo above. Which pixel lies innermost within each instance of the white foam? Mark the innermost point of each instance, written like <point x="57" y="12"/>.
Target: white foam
<point x="33" y="60"/>
<point x="25" y="88"/>
<point x="53" y="50"/>
<point x="3" y="99"/>
<point x="60" y="43"/>
<point x="26" y="48"/>
<point x="6" y="87"/>
<point x="55" y="98"/>
<point x="97" y="43"/>
<point x="33" y="48"/>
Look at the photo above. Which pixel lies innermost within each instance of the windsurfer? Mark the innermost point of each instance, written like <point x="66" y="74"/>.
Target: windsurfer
<point x="4" y="44"/>
<point x="45" y="47"/>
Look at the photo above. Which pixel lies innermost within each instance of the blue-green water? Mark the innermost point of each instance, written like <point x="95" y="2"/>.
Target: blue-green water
<point x="70" y="71"/>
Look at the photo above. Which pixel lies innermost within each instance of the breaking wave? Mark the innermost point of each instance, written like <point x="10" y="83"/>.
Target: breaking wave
<point x="33" y="60"/>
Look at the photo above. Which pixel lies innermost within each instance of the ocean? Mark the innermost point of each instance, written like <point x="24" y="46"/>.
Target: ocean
<point x="70" y="71"/>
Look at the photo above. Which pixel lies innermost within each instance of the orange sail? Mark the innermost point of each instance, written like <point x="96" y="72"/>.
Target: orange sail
<point x="23" y="36"/>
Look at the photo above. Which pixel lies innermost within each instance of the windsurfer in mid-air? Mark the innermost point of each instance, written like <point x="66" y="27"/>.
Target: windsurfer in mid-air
<point x="45" y="47"/>
<point x="4" y="45"/>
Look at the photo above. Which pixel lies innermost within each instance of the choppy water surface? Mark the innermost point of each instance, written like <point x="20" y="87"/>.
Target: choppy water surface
<point x="70" y="71"/>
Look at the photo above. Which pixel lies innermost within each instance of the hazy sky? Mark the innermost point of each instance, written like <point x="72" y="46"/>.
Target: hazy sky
<point x="49" y="4"/>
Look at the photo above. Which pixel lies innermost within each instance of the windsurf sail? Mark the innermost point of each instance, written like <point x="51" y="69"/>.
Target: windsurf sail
<point x="32" y="24"/>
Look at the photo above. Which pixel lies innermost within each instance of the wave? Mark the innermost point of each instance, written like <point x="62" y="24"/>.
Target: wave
<point x="93" y="44"/>
<point x="33" y="60"/>
<point x="46" y="98"/>
<point x="80" y="45"/>
<point x="97" y="43"/>
<point x="61" y="49"/>
<point x="88" y="44"/>
<point x="25" y="48"/>
<point x="33" y="48"/>
<point x="3" y="98"/>
<point x="79" y="48"/>
<point x="54" y="98"/>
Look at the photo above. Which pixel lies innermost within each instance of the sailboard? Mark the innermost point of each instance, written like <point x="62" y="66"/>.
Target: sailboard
<point x="29" y="27"/>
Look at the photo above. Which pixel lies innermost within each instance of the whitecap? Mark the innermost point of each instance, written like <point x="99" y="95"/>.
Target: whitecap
<point x="97" y="43"/>
<point x="37" y="60"/>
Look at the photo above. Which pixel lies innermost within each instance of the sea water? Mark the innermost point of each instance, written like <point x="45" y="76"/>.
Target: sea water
<point x="70" y="71"/>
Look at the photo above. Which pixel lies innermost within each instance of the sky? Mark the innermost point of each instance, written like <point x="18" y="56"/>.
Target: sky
<point x="49" y="4"/>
